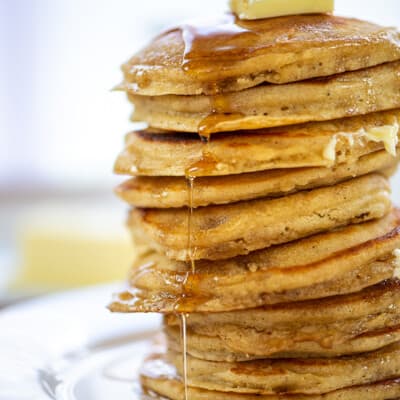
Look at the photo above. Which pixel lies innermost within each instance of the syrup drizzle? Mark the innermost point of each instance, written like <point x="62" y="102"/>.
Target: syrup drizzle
<point x="220" y="35"/>
<point x="199" y="168"/>
<point x="191" y="249"/>
<point x="184" y="353"/>
<point x="190" y="177"/>
<point x="211" y="46"/>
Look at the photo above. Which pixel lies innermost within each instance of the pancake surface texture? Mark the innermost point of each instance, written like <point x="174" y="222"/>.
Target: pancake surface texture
<point x="327" y="264"/>
<point x="321" y="144"/>
<point x="172" y="192"/>
<point x="225" y="54"/>
<point x="328" y="327"/>
<point x="230" y="230"/>
<point x="277" y="380"/>
<point x="349" y="94"/>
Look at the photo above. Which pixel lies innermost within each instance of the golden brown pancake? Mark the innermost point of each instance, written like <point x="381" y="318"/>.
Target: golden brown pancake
<point x="360" y="377"/>
<point x="342" y="261"/>
<point x="224" y="54"/>
<point x="173" y="192"/>
<point x="349" y="94"/>
<point x="291" y="376"/>
<point x="327" y="327"/>
<point x="226" y="231"/>
<point x="163" y="387"/>
<point x="320" y="144"/>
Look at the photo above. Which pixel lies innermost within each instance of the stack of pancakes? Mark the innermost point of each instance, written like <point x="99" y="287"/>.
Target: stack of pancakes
<point x="262" y="208"/>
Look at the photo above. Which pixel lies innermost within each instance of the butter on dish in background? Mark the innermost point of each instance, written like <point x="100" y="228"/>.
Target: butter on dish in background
<point x="63" y="247"/>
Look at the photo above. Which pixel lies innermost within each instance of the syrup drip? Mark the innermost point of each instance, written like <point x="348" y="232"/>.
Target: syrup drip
<point x="184" y="353"/>
<point x="219" y="35"/>
<point x="213" y="45"/>
<point x="202" y="167"/>
<point x="190" y="248"/>
<point x="211" y="122"/>
<point x="222" y="112"/>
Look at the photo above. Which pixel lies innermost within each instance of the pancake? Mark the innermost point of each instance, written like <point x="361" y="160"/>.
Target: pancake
<point x="173" y="389"/>
<point x="225" y="54"/>
<point x="349" y="94"/>
<point x="291" y="376"/>
<point x="320" y="144"/>
<point x="343" y="261"/>
<point x="282" y="380"/>
<point x="328" y="327"/>
<point x="218" y="232"/>
<point x="173" y="192"/>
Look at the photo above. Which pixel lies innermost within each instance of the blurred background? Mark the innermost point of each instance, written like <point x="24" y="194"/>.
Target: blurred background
<point x="61" y="128"/>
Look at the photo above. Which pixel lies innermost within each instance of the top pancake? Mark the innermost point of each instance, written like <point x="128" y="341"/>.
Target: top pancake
<point x="224" y="54"/>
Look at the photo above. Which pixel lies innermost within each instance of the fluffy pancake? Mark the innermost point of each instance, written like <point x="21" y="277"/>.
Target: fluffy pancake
<point x="350" y="378"/>
<point x="305" y="376"/>
<point x="166" y="387"/>
<point x="322" y="144"/>
<point x="349" y="94"/>
<point x="342" y="261"/>
<point x="226" y="54"/>
<point x="328" y="327"/>
<point x="171" y="192"/>
<point x="225" y="231"/>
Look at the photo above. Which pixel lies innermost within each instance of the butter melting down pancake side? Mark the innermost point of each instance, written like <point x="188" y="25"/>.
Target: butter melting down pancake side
<point x="349" y="94"/>
<point x="322" y="144"/>
<point x="327" y="327"/>
<point x="225" y="54"/>
<point x="226" y="231"/>
<point x="338" y="262"/>
<point x="172" y="192"/>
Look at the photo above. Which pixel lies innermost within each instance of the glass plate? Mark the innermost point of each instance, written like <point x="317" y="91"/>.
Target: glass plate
<point x="70" y="347"/>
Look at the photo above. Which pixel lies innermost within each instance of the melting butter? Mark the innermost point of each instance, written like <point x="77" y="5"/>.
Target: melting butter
<point x="330" y="149"/>
<point x="388" y="134"/>
<point x="396" y="262"/>
<point x="258" y="9"/>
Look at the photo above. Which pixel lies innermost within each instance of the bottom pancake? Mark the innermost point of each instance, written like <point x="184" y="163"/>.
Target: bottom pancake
<point x="368" y="376"/>
<point x="328" y="327"/>
<point x="163" y="388"/>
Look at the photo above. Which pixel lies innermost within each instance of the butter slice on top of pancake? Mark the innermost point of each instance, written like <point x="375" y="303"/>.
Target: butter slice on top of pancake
<point x="260" y="9"/>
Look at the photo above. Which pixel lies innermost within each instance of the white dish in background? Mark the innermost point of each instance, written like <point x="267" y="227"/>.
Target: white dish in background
<point x="70" y="347"/>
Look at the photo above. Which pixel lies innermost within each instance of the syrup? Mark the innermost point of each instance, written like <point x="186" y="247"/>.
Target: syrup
<point x="184" y="353"/>
<point x="202" y="167"/>
<point x="224" y="40"/>
<point x="211" y="122"/>
<point x="190" y="248"/>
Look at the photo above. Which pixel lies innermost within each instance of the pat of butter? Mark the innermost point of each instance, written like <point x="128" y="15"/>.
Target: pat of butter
<point x="68" y="245"/>
<point x="330" y="150"/>
<point x="388" y="134"/>
<point x="396" y="273"/>
<point x="258" y="9"/>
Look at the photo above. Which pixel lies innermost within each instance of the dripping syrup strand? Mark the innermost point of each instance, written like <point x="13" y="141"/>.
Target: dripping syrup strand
<point x="184" y="354"/>
<point x="191" y="173"/>
<point x="190" y="181"/>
